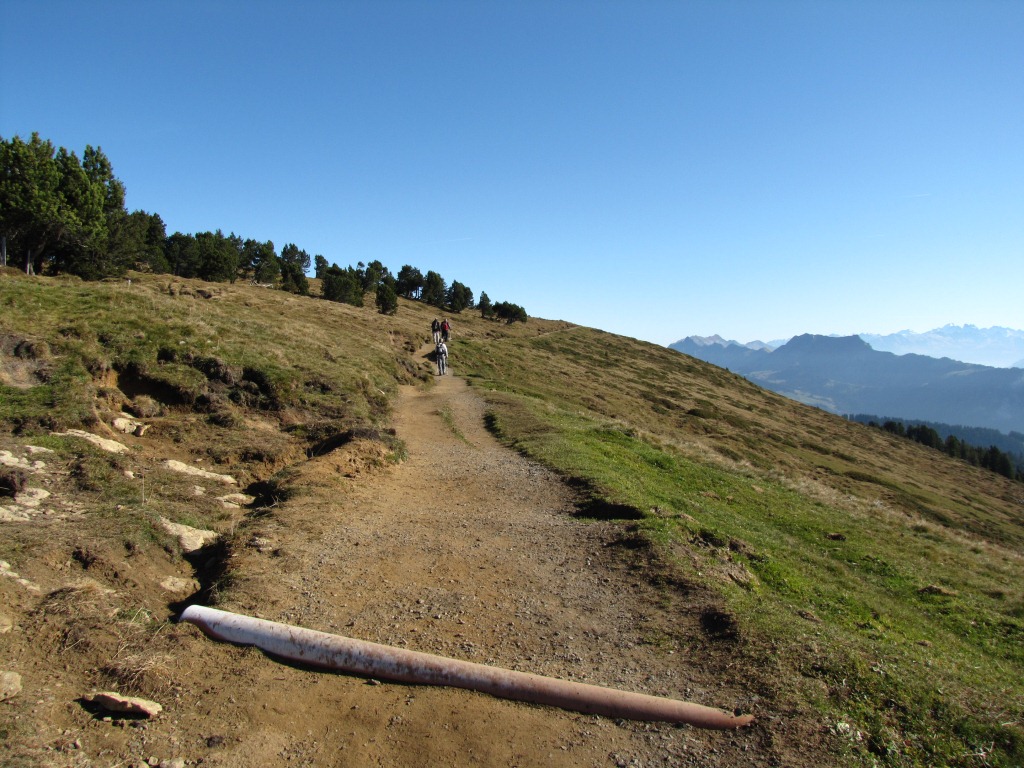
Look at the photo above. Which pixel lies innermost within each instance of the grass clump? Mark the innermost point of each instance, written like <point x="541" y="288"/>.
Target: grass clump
<point x="64" y="399"/>
<point x="448" y="417"/>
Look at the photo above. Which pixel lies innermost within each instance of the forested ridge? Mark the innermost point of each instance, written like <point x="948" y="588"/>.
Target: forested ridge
<point x="63" y="215"/>
<point x="1004" y="454"/>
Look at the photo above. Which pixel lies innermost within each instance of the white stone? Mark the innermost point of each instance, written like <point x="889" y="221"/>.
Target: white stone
<point x="111" y="446"/>
<point x="10" y="685"/>
<point x="236" y="500"/>
<point x="32" y="497"/>
<point x="122" y="424"/>
<point x="8" y="459"/>
<point x="188" y="537"/>
<point x="115" y="702"/>
<point x="5" y="570"/>
<point x="180" y="466"/>
<point x="13" y="514"/>
<point x="176" y="585"/>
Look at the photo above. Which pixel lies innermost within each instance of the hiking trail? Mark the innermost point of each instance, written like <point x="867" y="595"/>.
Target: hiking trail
<point x="463" y="549"/>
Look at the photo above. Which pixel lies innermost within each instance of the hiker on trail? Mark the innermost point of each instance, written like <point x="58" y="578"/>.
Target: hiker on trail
<point x="446" y="330"/>
<point x="435" y="328"/>
<point x="441" y="353"/>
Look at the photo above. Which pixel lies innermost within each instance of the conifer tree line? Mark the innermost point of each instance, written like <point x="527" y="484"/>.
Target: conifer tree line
<point x="1006" y="463"/>
<point x="63" y="215"/>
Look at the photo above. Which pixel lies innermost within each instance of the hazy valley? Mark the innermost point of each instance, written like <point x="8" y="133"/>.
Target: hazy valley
<point x="845" y="375"/>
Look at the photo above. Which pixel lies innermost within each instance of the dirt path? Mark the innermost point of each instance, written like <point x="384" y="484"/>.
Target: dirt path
<point x="464" y="549"/>
<point x="468" y="550"/>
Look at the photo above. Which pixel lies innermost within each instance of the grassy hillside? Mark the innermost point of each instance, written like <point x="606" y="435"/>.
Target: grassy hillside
<point x="879" y="580"/>
<point x="874" y="579"/>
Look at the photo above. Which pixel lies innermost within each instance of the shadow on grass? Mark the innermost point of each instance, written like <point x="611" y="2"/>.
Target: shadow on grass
<point x="592" y="505"/>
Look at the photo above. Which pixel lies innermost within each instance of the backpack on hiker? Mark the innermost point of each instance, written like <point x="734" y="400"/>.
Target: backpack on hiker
<point x="441" y="354"/>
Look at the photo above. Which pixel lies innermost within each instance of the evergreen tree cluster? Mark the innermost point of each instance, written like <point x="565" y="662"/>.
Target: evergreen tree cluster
<point x="950" y="440"/>
<point x="507" y="311"/>
<point x="432" y="289"/>
<point x="349" y="285"/>
<point x="59" y="214"/>
<point x="62" y="214"/>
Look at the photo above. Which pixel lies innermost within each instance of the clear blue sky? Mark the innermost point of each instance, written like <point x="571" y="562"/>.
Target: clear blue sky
<point x="656" y="169"/>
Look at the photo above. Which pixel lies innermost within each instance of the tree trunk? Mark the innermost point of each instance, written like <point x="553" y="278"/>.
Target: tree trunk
<point x="3" y="251"/>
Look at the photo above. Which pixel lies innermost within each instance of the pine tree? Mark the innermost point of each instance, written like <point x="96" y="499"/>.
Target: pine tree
<point x="387" y="299"/>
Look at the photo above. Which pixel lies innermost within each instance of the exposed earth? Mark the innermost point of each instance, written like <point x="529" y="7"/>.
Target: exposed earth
<point x="463" y="549"/>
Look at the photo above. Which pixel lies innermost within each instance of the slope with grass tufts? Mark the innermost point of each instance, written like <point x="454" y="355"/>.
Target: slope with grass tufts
<point x="659" y="525"/>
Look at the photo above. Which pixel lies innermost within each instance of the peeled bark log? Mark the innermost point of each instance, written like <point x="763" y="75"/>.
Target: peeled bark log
<point x="373" y="660"/>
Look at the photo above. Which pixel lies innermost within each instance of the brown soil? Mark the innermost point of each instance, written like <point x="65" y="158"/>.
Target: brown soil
<point x="465" y="549"/>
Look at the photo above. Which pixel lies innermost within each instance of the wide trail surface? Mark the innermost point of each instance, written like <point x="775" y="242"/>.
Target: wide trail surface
<point x="469" y="550"/>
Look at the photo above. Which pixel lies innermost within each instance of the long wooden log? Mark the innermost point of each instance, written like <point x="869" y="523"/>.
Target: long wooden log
<point x="336" y="652"/>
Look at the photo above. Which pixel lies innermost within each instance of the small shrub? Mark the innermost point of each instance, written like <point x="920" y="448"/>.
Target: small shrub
<point x="145" y="407"/>
<point x="12" y="481"/>
<point x="32" y="350"/>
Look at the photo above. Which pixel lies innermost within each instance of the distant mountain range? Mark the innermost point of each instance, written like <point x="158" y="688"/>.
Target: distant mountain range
<point x="999" y="347"/>
<point x="845" y="375"/>
<point x="996" y="346"/>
